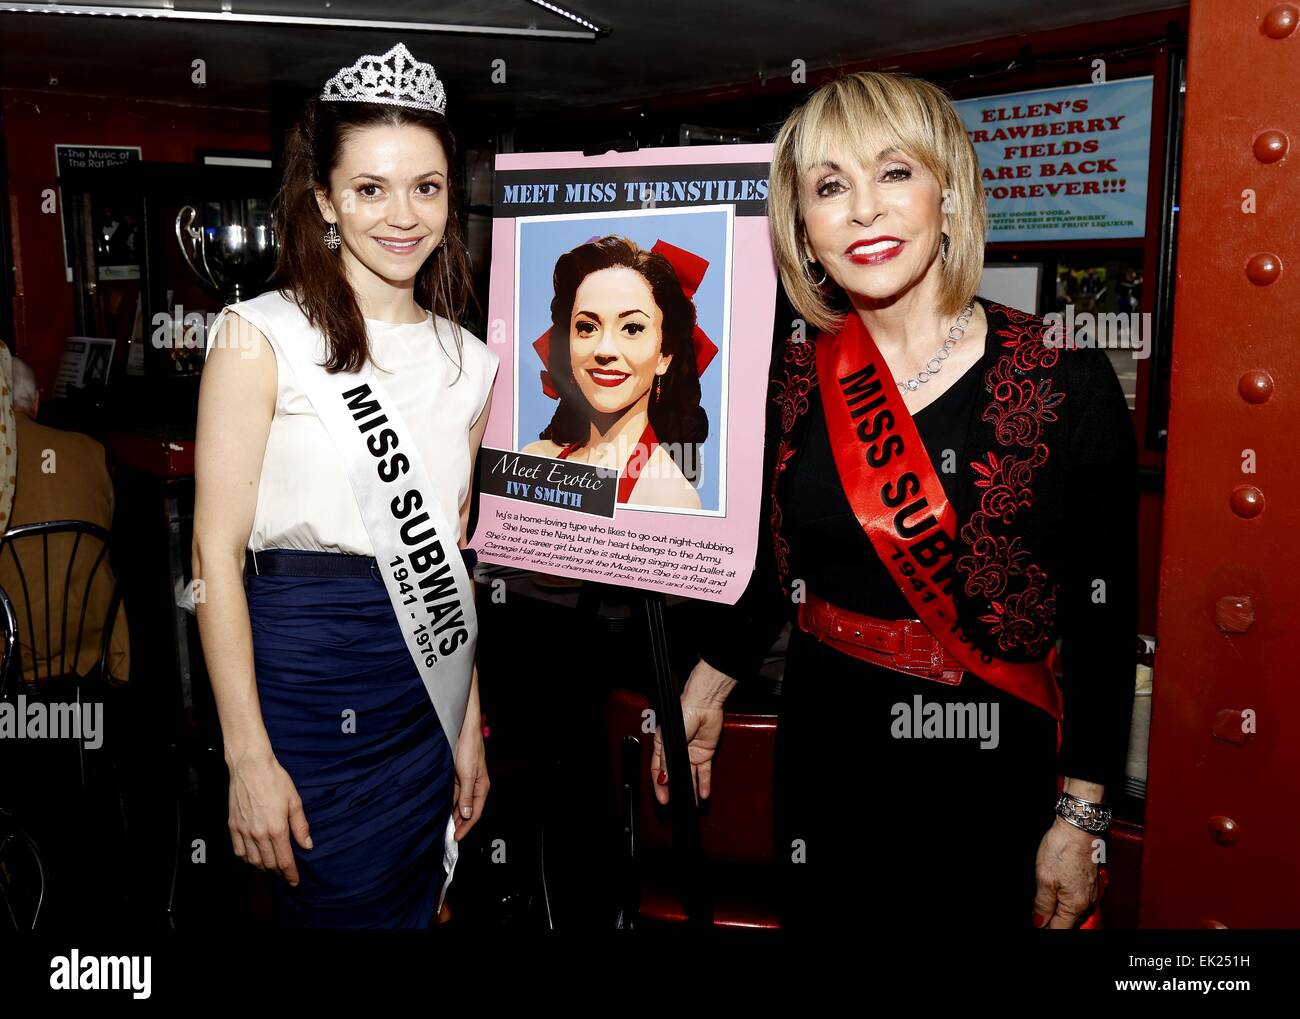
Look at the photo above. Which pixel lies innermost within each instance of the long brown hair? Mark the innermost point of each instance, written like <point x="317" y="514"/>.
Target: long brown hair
<point x="679" y="422"/>
<point x="312" y="275"/>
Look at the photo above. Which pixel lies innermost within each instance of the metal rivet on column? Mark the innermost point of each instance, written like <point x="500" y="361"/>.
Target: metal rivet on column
<point x="1224" y="830"/>
<point x="1255" y="386"/>
<point x="1234" y="613"/>
<point x="1271" y="146"/>
<point x="1247" y="501"/>
<point x="1280" y="21"/>
<point x="1264" y="268"/>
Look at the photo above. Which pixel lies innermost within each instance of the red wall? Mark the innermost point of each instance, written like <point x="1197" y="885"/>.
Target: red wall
<point x="1150" y="509"/>
<point x="33" y="123"/>
<point x="1222" y="824"/>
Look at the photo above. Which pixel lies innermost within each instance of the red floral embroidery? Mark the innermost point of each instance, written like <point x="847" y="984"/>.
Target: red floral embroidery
<point x="1022" y="619"/>
<point x="1006" y="482"/>
<point x="792" y="391"/>
<point x="792" y="395"/>
<point x="780" y="547"/>
<point x="1020" y="407"/>
<point x="1026" y="338"/>
<point x="993" y="559"/>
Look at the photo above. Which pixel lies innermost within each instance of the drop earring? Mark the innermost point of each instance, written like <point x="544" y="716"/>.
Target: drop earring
<point x="807" y="274"/>
<point x="332" y="238"/>
<point x="659" y="381"/>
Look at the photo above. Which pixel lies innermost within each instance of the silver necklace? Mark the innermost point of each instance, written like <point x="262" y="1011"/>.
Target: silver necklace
<point x="941" y="355"/>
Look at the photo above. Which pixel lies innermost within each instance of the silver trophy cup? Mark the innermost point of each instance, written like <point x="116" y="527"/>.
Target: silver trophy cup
<point x="231" y="246"/>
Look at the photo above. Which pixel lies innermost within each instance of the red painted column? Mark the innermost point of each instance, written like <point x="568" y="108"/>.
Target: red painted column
<point x="1222" y="844"/>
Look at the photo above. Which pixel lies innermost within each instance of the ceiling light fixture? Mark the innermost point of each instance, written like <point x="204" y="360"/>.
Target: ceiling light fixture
<point x="587" y="29"/>
<point x="570" y="15"/>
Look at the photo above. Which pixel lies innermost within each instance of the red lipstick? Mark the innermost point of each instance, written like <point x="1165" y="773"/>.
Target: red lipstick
<point x="607" y="377"/>
<point x="875" y="257"/>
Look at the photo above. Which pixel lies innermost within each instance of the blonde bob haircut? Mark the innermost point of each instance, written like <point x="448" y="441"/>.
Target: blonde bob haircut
<point x="861" y="115"/>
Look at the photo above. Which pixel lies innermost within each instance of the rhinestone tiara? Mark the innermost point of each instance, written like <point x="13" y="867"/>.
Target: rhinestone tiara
<point x="394" y="79"/>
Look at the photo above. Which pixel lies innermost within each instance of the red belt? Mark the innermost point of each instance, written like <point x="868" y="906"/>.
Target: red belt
<point x="904" y="645"/>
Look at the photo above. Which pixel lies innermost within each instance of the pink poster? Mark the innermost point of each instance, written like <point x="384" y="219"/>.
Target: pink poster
<point x="631" y="303"/>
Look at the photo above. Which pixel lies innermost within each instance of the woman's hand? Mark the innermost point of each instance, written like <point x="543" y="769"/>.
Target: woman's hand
<point x="1067" y="876"/>
<point x="702" y="713"/>
<point x="471" y="785"/>
<point x="264" y="809"/>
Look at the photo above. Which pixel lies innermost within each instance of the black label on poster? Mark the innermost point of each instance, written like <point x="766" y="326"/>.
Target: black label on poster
<point x="543" y="482"/>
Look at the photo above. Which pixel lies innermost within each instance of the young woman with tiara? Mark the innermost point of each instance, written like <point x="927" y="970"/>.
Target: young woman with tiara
<point x="339" y="419"/>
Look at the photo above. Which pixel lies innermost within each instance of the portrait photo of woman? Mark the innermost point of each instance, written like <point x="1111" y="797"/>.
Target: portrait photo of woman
<point x="628" y="379"/>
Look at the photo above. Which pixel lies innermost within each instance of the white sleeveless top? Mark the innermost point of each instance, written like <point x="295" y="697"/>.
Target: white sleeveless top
<point x="304" y="498"/>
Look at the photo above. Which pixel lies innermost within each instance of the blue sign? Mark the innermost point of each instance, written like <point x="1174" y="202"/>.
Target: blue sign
<point x="1064" y="163"/>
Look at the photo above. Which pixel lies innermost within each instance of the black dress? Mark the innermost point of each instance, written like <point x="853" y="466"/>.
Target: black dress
<point x="873" y="822"/>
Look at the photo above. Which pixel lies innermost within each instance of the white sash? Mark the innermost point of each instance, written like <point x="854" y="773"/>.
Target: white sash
<point x="415" y="547"/>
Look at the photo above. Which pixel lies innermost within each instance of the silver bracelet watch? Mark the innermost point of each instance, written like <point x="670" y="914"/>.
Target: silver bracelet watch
<point x="1093" y="818"/>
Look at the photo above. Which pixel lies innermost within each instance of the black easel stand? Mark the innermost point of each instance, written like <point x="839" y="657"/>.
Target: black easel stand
<point x="683" y="812"/>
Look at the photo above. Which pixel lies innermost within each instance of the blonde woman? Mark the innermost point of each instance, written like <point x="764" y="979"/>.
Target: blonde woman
<point x="950" y="495"/>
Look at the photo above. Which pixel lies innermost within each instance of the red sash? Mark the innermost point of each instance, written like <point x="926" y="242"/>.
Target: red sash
<point x="897" y="497"/>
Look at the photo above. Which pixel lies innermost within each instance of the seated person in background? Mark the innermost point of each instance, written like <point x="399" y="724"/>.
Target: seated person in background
<point x="59" y="476"/>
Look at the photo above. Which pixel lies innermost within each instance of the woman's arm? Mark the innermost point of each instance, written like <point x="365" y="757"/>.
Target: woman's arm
<point x="1099" y="595"/>
<point x="471" y="784"/>
<point x="1098" y="606"/>
<point x="236" y="405"/>
<point x="475" y="443"/>
<point x="733" y="639"/>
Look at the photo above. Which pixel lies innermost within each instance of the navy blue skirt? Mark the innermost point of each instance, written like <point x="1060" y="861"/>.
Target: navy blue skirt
<point x="350" y="720"/>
